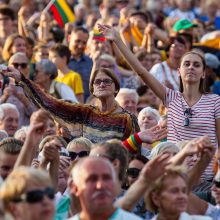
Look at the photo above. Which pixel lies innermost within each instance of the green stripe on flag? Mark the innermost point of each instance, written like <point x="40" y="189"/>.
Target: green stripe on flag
<point x="62" y="13"/>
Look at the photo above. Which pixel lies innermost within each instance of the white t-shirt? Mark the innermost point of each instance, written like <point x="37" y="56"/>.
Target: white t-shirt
<point x="119" y="214"/>
<point x="189" y="15"/>
<point x="162" y="72"/>
<point x="213" y="211"/>
<point x="185" y="216"/>
<point x="201" y="122"/>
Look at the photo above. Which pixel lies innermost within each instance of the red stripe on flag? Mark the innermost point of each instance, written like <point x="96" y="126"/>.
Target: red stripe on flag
<point x="57" y="15"/>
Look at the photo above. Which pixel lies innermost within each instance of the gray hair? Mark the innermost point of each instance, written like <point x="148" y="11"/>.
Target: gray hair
<point x="151" y="111"/>
<point x="77" y="168"/>
<point x="18" y="54"/>
<point x="108" y="58"/>
<point x="128" y="91"/>
<point x="6" y="106"/>
<point x="161" y="147"/>
<point x="48" y="68"/>
<point x="81" y="141"/>
<point x="22" y="131"/>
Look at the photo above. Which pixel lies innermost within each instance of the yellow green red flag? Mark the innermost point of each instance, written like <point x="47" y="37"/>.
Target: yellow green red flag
<point x="62" y="12"/>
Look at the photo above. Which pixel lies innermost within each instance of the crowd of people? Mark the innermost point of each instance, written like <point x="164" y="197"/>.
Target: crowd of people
<point x="115" y="115"/>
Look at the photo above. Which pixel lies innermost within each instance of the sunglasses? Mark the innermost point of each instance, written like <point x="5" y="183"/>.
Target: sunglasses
<point x="133" y="172"/>
<point x="187" y="114"/>
<point x="216" y="183"/>
<point x="37" y="195"/>
<point x="22" y="65"/>
<point x="106" y="82"/>
<point x="73" y="155"/>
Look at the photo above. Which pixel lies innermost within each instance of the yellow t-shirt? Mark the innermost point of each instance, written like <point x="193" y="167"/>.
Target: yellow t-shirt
<point x="73" y="80"/>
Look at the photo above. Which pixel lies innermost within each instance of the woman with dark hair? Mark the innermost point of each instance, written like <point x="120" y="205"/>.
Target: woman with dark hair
<point x="98" y="123"/>
<point x="191" y="112"/>
<point x="167" y="71"/>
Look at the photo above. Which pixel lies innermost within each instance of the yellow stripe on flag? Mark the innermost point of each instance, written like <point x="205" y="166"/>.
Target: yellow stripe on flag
<point x="67" y="10"/>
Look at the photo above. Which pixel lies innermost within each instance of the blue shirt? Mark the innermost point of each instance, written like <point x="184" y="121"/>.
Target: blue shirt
<point x="83" y="66"/>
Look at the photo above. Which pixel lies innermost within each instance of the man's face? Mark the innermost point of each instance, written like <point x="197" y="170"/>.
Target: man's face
<point x="96" y="188"/>
<point x="78" y="42"/>
<point x="6" y="24"/>
<point x="128" y="102"/>
<point x="9" y="123"/>
<point x="7" y="162"/>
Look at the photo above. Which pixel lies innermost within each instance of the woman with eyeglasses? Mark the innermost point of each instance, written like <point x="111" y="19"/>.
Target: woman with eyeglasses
<point x="28" y="194"/>
<point x="98" y="123"/>
<point x="191" y="111"/>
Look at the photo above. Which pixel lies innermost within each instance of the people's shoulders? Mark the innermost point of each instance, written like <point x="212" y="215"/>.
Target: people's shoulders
<point x="213" y="211"/>
<point x="121" y="214"/>
<point x="212" y="97"/>
<point x="75" y="217"/>
<point x="185" y="215"/>
<point x="72" y="74"/>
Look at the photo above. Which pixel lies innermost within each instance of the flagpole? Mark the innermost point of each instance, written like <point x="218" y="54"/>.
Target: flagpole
<point x="49" y="5"/>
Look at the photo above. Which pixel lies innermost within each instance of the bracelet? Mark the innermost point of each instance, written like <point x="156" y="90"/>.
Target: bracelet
<point x="137" y="138"/>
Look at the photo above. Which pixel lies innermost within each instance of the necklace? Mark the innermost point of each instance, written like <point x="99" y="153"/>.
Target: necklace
<point x="110" y="111"/>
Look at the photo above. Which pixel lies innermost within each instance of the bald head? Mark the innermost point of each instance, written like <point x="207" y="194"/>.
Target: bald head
<point x="84" y="163"/>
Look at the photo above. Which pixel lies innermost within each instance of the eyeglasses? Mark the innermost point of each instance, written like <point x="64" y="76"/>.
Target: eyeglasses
<point x="22" y="65"/>
<point x="133" y="172"/>
<point x="73" y="155"/>
<point x="216" y="183"/>
<point x="187" y="114"/>
<point x="106" y="82"/>
<point x="37" y="195"/>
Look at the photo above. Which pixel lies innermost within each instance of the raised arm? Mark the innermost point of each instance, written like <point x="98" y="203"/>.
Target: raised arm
<point x="63" y="111"/>
<point x="150" y="172"/>
<point x="153" y="83"/>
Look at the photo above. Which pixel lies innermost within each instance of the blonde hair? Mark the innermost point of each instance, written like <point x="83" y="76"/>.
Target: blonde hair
<point x="158" y="185"/>
<point x="18" y="181"/>
<point x="6" y="51"/>
<point x="81" y="141"/>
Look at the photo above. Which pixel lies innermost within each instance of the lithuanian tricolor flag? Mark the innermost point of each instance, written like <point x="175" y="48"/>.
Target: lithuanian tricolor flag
<point x="61" y="12"/>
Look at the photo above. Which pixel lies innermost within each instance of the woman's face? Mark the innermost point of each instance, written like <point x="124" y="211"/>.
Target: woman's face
<point x="19" y="45"/>
<point x="177" y="49"/>
<point x="43" y="210"/>
<point x="146" y="121"/>
<point x="191" y="69"/>
<point x="134" y="167"/>
<point x="172" y="199"/>
<point x="103" y="86"/>
<point x="191" y="161"/>
<point x="50" y="128"/>
<point x="147" y="61"/>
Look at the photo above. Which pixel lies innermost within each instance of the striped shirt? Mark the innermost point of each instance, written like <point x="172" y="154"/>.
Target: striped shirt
<point x="201" y="122"/>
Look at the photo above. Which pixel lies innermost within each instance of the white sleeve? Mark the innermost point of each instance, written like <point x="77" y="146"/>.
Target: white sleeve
<point x="67" y="93"/>
<point x="157" y="72"/>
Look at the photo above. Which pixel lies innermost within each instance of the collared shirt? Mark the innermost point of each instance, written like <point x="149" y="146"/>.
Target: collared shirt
<point x="83" y="66"/>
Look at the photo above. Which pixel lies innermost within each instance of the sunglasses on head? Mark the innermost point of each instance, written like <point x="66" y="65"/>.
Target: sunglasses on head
<point x="133" y="172"/>
<point x="37" y="195"/>
<point x="22" y="65"/>
<point x="216" y="183"/>
<point x="73" y="155"/>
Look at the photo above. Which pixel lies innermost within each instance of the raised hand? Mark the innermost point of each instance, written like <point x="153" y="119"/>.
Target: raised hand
<point x="155" y="167"/>
<point x="13" y="73"/>
<point x="109" y="32"/>
<point x="153" y="134"/>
